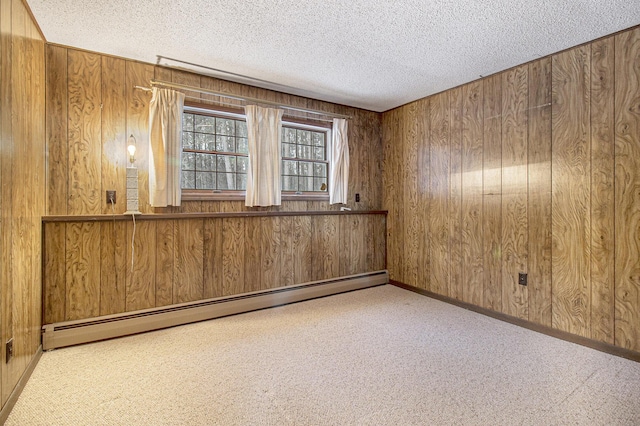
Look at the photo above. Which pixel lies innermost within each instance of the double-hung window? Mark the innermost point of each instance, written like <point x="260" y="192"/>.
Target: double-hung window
<point x="215" y="156"/>
<point x="305" y="165"/>
<point x="214" y="151"/>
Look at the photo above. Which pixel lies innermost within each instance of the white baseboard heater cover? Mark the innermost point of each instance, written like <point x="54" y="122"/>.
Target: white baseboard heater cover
<point x="68" y="333"/>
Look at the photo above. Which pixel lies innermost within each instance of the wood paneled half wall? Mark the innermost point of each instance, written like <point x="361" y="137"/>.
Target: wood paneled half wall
<point x="534" y="170"/>
<point x="97" y="266"/>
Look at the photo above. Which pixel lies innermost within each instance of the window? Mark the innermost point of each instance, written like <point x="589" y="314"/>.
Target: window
<point x="214" y="152"/>
<point x="304" y="160"/>
<point x="215" y="149"/>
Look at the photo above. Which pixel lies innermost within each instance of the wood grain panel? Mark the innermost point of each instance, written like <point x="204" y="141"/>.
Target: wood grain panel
<point x="22" y="198"/>
<point x="84" y="137"/>
<point x="233" y="256"/>
<point x="138" y="74"/>
<point x="212" y="246"/>
<point x="230" y="88"/>
<point x="374" y="144"/>
<point x="270" y="242"/>
<point x="514" y="190"/>
<point x="55" y="279"/>
<point x="627" y="189"/>
<point x="352" y="236"/>
<point x="36" y="122"/>
<point x="211" y="84"/>
<point x="113" y="236"/>
<point x="325" y="241"/>
<point x="286" y="250"/>
<point x="368" y="238"/>
<point x="187" y="78"/>
<point x="359" y="245"/>
<point x="602" y="190"/>
<point x="252" y="254"/>
<point x="6" y="178"/>
<point x="165" y="262"/>
<point x="231" y="206"/>
<point x="162" y="73"/>
<point x="389" y="183"/>
<point x="8" y="323"/>
<point x="188" y="281"/>
<point x="410" y="189"/>
<point x="303" y="260"/>
<point x="571" y="191"/>
<point x="492" y="192"/>
<point x="422" y="187"/>
<point x="398" y="201"/>
<point x="395" y="225"/>
<point x="82" y="274"/>
<point x="211" y="206"/>
<point x="379" y="244"/>
<point x="539" y="195"/>
<point x="22" y="189"/>
<point x="21" y="267"/>
<point x="56" y="130"/>
<point x="455" y="195"/>
<point x="317" y="232"/>
<point x="190" y="207"/>
<point x="472" y="168"/>
<point x="355" y="157"/>
<point x="345" y="234"/>
<point x="374" y="241"/>
<point x="114" y="137"/>
<point x="439" y="156"/>
<point x="251" y="91"/>
<point x="141" y="271"/>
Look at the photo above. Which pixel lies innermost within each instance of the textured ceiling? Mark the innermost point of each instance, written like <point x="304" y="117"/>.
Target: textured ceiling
<point x="370" y="54"/>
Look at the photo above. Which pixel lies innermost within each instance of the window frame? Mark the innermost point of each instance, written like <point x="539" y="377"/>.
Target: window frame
<point x="240" y="195"/>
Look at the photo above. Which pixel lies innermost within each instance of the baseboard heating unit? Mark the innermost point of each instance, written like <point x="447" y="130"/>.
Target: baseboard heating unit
<point x="68" y="333"/>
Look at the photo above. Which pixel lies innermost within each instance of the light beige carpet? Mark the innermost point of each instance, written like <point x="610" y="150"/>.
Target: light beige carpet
<point x="381" y="356"/>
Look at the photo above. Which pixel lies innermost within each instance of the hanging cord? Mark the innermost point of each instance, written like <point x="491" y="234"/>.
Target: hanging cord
<point x="133" y="238"/>
<point x="115" y="236"/>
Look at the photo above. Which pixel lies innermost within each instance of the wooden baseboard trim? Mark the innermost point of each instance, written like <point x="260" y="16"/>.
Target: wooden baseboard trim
<point x="13" y="398"/>
<point x="61" y="334"/>
<point x="583" y="341"/>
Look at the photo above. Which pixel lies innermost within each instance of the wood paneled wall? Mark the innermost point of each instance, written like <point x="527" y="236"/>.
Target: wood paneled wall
<point x="535" y="170"/>
<point x="92" y="107"/>
<point x="22" y="174"/>
<point x="89" y="272"/>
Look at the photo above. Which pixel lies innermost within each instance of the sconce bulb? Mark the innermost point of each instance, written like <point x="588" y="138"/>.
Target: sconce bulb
<point x="131" y="147"/>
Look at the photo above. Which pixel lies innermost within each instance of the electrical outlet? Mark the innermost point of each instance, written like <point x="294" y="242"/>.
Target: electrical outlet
<point x="9" y="350"/>
<point x="357" y="198"/>
<point x="111" y="196"/>
<point x="522" y="278"/>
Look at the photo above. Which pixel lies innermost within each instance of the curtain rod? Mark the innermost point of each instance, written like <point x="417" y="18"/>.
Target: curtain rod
<point x="241" y="98"/>
<point x="228" y="104"/>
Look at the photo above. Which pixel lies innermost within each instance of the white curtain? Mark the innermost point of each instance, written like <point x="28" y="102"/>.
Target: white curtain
<point x="165" y="147"/>
<point x="339" y="162"/>
<point x="264" y="127"/>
